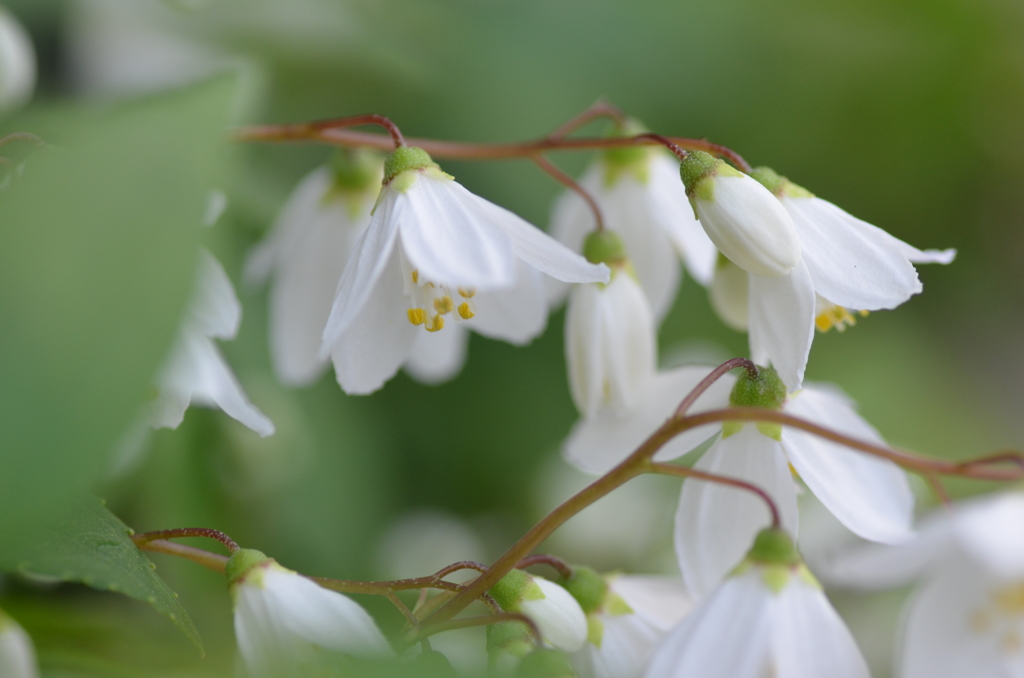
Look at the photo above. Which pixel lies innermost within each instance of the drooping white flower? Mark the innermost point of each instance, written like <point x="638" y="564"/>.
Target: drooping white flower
<point x="558" y="616"/>
<point x="768" y="619"/>
<point x="967" y="616"/>
<point x="17" y="656"/>
<point x="610" y="343"/>
<point x="435" y="255"/>
<point x="627" y="623"/>
<point x="715" y="523"/>
<point x="306" y="251"/>
<point x="196" y="371"/>
<point x="638" y="192"/>
<point x="287" y="625"/>
<point x="807" y="261"/>
<point x="17" y="63"/>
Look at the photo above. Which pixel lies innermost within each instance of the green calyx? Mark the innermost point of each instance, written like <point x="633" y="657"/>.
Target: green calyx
<point x="604" y="247"/>
<point x="356" y="170"/>
<point x="405" y="158"/>
<point x="697" y="171"/>
<point x="774" y="546"/>
<point x="512" y="637"/>
<point x="632" y="160"/>
<point x="587" y="587"/>
<point x="779" y="185"/>
<point x="513" y="589"/>
<point x="766" y="391"/>
<point x="242" y="562"/>
<point x="545" y="663"/>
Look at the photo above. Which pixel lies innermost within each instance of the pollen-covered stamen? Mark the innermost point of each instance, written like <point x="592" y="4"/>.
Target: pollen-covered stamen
<point x="829" y="315"/>
<point x="1003" y="616"/>
<point x="430" y="302"/>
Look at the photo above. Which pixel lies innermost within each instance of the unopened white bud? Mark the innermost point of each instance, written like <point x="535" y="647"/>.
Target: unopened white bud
<point x="558" y="616"/>
<point x="745" y="221"/>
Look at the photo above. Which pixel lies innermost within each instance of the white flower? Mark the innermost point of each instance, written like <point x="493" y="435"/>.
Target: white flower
<point x="967" y="617"/>
<point x="17" y="63"/>
<point x="306" y="251"/>
<point x="558" y="616"/>
<point x="636" y="613"/>
<point x="17" y="656"/>
<point x="715" y="523"/>
<point x="287" y="625"/>
<point x="640" y="197"/>
<point x="766" y="620"/>
<point x="610" y="343"/>
<point x="433" y="255"/>
<point x="196" y="371"/>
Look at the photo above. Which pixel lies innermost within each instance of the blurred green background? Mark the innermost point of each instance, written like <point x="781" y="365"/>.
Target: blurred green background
<point x="908" y="115"/>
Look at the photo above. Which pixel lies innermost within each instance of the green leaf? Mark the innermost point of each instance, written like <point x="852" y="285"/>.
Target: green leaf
<point x="98" y="245"/>
<point x="93" y="547"/>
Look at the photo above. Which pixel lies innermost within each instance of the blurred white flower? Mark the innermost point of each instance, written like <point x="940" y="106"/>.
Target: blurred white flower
<point x="637" y="611"/>
<point x="715" y="524"/>
<point x="610" y="343"/>
<point x="17" y="63"/>
<point x="433" y="255"/>
<point x="640" y="197"/>
<point x="287" y="625"/>
<point x="17" y="656"/>
<point x="967" y="616"/>
<point x="765" y="620"/>
<point x="196" y="371"/>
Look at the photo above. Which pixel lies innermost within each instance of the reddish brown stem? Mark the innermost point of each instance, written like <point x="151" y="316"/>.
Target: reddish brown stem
<point x="570" y="183"/>
<point x="183" y="532"/>
<point x="601" y="109"/>
<point x="553" y="562"/>
<point x="211" y="561"/>
<point x="358" y="120"/>
<point x="667" y="143"/>
<point x="715" y="375"/>
<point x="683" y="472"/>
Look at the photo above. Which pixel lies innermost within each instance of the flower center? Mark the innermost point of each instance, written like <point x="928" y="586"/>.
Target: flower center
<point x="1003" y="617"/>
<point x="430" y="302"/>
<point x="829" y="315"/>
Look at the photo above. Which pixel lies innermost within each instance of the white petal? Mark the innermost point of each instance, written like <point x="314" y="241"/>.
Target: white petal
<point x="379" y="339"/>
<point x="374" y="252"/>
<point x="939" y="639"/>
<point x="543" y="252"/>
<point x="571" y="221"/>
<point x="558" y="616"/>
<point x="516" y="314"/>
<point x="716" y="524"/>
<point x="436" y="357"/>
<point x="584" y="348"/>
<point x="214" y="308"/>
<point x="451" y="237"/>
<point x="782" y="323"/>
<point x="17" y="656"/>
<point x="849" y="263"/>
<point x="599" y="443"/>
<point x="626" y="645"/>
<point x="725" y="637"/>
<point x="217" y="386"/>
<point x="730" y="295"/>
<point x="672" y="211"/>
<point x="749" y="225"/>
<point x="989" y="531"/>
<point x="17" y="63"/>
<point x="661" y="600"/>
<point x="809" y="640"/>
<point x="310" y="266"/>
<point x="870" y="496"/>
<point x="927" y="256"/>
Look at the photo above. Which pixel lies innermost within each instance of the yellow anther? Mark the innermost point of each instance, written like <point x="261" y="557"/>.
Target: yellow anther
<point x="415" y="277"/>
<point x="443" y="304"/>
<point x="417" y="316"/>
<point x="1010" y="600"/>
<point x="466" y="293"/>
<point x="437" y="323"/>
<point x="465" y="311"/>
<point x="837" y="317"/>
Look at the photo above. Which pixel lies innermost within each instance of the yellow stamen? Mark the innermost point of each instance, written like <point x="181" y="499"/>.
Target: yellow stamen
<point x="1010" y="600"/>
<point x="415" y="277"/>
<point x="837" y="317"/>
<point x="443" y="304"/>
<point x="466" y="293"/>
<point x="465" y="311"/>
<point x="438" y="324"/>
<point x="417" y="316"/>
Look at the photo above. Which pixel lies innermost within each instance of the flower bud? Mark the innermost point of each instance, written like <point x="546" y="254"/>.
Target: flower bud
<point x="512" y="637"/>
<point x="765" y="390"/>
<point x="17" y="657"/>
<point x="556" y="613"/>
<point x="745" y="221"/>
<point x="587" y="587"/>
